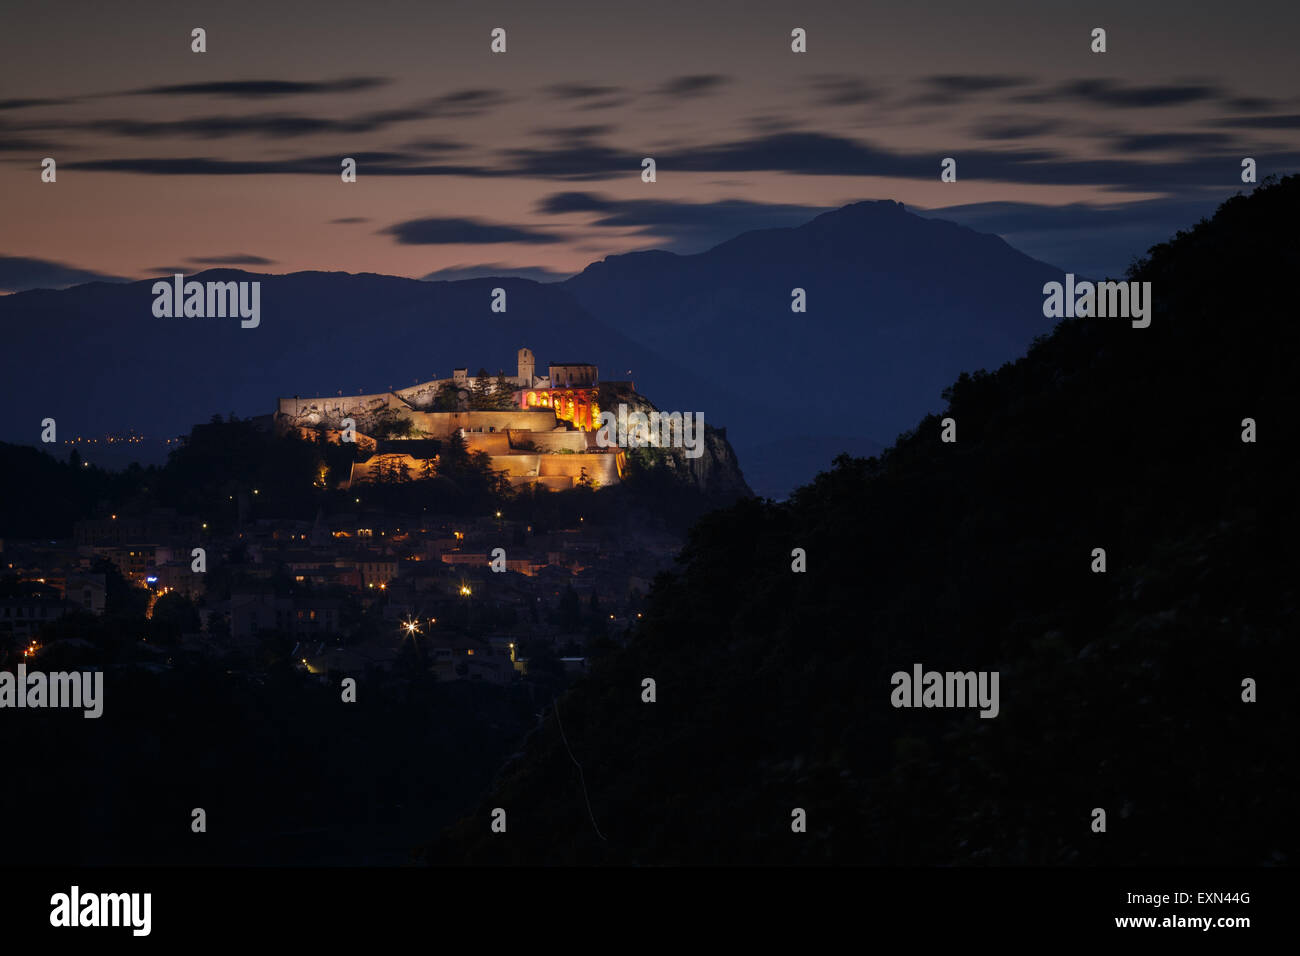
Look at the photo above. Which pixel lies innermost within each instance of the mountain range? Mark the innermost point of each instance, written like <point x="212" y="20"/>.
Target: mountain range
<point x="896" y="306"/>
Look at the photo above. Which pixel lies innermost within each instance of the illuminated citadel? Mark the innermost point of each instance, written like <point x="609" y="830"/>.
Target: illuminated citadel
<point x="545" y="437"/>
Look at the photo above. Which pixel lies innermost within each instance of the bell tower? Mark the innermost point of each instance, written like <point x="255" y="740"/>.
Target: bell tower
<point x="527" y="364"/>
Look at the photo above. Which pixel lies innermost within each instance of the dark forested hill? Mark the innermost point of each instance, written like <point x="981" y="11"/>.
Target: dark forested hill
<point x="1119" y="690"/>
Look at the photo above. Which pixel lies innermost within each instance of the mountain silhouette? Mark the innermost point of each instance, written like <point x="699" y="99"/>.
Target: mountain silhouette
<point x="897" y="305"/>
<point x="96" y="359"/>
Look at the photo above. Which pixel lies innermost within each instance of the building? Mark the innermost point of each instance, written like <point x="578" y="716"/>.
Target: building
<point x="24" y="614"/>
<point x="544" y="438"/>
<point x="87" y="591"/>
<point x="572" y="374"/>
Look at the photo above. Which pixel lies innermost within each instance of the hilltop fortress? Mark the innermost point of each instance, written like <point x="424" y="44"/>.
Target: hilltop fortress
<point x="537" y="429"/>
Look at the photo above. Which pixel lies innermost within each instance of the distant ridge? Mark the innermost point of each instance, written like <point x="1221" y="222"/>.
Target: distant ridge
<point x="897" y="306"/>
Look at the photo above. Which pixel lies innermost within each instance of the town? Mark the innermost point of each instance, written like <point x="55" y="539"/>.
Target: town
<point x="346" y="589"/>
<point x="459" y="523"/>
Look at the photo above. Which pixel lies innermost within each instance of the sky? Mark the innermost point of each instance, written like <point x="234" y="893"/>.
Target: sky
<point x="528" y="162"/>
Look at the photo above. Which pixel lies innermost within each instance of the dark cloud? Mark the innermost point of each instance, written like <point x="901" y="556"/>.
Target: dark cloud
<point x="435" y="145"/>
<point x="696" y="84"/>
<point x="371" y="164"/>
<point x="581" y="91"/>
<point x="959" y="83"/>
<point x="234" y="259"/>
<point x="211" y="127"/>
<point x="809" y="153"/>
<point x="684" y="226"/>
<point x="575" y="132"/>
<point x="1252" y="104"/>
<point x="1151" y="142"/>
<point x="261" y="89"/>
<point x="457" y="231"/>
<point x="841" y="89"/>
<point x="494" y="270"/>
<point x="1291" y="121"/>
<point x="461" y="104"/>
<point x="19" y="144"/>
<point x="456" y="105"/>
<point x="801" y="153"/>
<point x="573" y="161"/>
<point x="269" y="125"/>
<point x="347" y="220"/>
<point x="605" y="104"/>
<point x="18" y="274"/>
<point x="945" y="89"/>
<point x="560" y="203"/>
<point x="1012" y="127"/>
<point x="23" y="104"/>
<point x="1106" y="92"/>
<point x="819" y="154"/>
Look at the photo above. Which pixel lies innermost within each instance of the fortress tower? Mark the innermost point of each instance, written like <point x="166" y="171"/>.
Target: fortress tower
<point x="527" y="365"/>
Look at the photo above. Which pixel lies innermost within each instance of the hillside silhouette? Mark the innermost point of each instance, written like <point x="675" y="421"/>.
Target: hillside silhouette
<point x="1119" y="690"/>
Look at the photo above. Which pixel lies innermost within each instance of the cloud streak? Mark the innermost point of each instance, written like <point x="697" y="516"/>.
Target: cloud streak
<point x="684" y="226"/>
<point x="693" y="85"/>
<point x="262" y="89"/>
<point x="462" y="231"/>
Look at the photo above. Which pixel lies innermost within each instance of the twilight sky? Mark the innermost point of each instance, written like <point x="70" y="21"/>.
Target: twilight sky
<point x="529" y="162"/>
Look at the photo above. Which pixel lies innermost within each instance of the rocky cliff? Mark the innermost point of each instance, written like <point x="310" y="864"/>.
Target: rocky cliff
<point x="715" y="472"/>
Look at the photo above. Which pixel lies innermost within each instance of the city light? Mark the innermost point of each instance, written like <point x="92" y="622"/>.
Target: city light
<point x="411" y="627"/>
